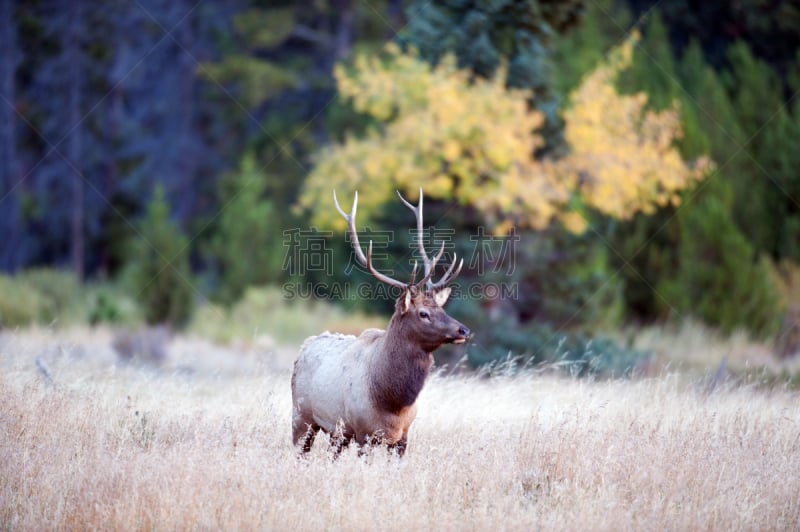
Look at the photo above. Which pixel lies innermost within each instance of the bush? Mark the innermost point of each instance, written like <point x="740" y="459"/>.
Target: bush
<point x="536" y="344"/>
<point x="109" y="303"/>
<point x="264" y="310"/>
<point x="60" y="292"/>
<point x="566" y="280"/>
<point x="40" y="295"/>
<point x="20" y="304"/>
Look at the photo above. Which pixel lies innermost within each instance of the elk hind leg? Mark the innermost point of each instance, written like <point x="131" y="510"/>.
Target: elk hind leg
<point x="338" y="442"/>
<point x="305" y="433"/>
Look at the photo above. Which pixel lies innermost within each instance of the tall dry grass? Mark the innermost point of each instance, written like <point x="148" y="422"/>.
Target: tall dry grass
<point x="204" y="443"/>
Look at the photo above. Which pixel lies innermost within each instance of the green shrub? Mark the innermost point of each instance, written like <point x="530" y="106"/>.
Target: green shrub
<point x="578" y="354"/>
<point x="60" y="292"/>
<point x="536" y="344"/>
<point x="20" y="303"/>
<point x="40" y="295"/>
<point x="103" y="310"/>
<point x="566" y="280"/>
<point x="109" y="303"/>
<point x="264" y="310"/>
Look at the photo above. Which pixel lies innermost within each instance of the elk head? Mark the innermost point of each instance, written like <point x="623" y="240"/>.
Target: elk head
<point x="419" y="314"/>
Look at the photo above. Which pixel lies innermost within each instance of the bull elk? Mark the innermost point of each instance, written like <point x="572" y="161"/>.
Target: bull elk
<point x="365" y="388"/>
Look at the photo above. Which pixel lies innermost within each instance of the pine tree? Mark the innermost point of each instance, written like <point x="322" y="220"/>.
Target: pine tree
<point x="159" y="274"/>
<point x="245" y="246"/>
<point x="483" y="35"/>
<point x="719" y="277"/>
<point x="579" y="50"/>
<point x="14" y="249"/>
<point x="697" y="260"/>
<point x="756" y="98"/>
<point x="653" y="70"/>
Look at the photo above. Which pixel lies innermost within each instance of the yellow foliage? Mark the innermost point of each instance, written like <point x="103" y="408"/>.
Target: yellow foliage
<point x="451" y="150"/>
<point x="473" y="140"/>
<point x="625" y="153"/>
<point x="574" y="222"/>
<point x="470" y="140"/>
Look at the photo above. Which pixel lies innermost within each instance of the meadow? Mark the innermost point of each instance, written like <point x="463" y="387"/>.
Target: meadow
<point x="203" y="442"/>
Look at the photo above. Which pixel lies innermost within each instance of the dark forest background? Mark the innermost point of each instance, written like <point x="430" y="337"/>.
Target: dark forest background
<point x="159" y="145"/>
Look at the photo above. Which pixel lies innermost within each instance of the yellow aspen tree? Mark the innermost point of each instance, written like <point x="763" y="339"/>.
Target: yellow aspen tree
<point x="472" y="140"/>
<point x="623" y="152"/>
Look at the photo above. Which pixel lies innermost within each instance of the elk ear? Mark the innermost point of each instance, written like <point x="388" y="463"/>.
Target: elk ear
<point x="441" y="296"/>
<point x="406" y="304"/>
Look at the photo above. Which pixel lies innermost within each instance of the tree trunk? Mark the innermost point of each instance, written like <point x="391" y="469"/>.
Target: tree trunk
<point x="74" y="60"/>
<point x="10" y="253"/>
<point x="344" y="31"/>
<point x="185" y="166"/>
<point x="395" y="12"/>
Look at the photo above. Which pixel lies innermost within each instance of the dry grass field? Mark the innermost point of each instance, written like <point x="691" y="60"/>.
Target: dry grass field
<point x="203" y="442"/>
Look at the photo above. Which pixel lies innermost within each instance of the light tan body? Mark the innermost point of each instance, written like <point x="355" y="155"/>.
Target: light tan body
<point x="331" y="390"/>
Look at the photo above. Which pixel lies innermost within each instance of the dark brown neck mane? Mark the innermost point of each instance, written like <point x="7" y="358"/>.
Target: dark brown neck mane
<point x="399" y="368"/>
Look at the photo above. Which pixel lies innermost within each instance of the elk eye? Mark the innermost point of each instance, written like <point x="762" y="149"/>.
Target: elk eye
<point x="424" y="315"/>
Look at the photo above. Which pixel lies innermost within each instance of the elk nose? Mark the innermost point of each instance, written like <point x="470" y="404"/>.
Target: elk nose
<point x="463" y="331"/>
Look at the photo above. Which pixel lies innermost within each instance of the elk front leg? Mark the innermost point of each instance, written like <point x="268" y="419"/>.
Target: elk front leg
<point x="400" y="445"/>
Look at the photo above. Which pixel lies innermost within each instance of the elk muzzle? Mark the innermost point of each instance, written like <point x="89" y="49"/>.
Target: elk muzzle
<point x="461" y="336"/>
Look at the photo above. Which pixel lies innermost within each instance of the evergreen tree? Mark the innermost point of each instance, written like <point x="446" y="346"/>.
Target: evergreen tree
<point x="779" y="162"/>
<point x="718" y="277"/>
<point x="13" y="252"/>
<point x="246" y="247"/>
<point x="698" y="259"/>
<point x="484" y="34"/>
<point x="603" y="25"/>
<point x="108" y="94"/>
<point x="768" y="28"/>
<point x="654" y="70"/>
<point x="766" y="138"/>
<point x="158" y="259"/>
<point x="273" y="81"/>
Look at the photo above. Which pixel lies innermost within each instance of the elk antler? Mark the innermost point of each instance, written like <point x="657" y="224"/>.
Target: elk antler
<point x="429" y="264"/>
<point x="365" y="261"/>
